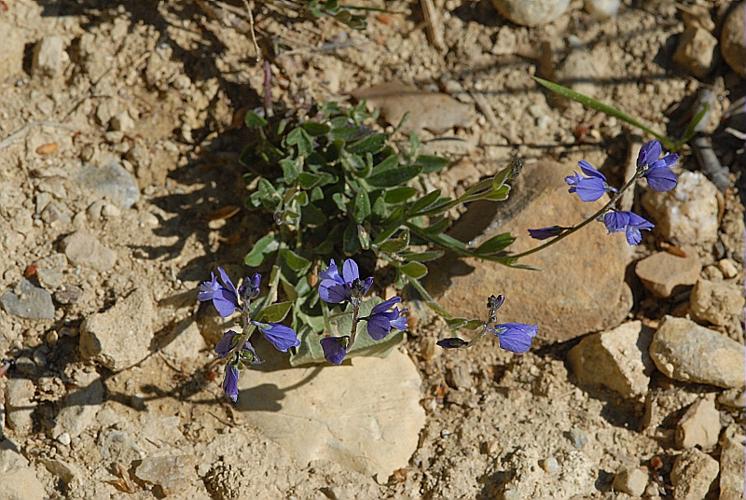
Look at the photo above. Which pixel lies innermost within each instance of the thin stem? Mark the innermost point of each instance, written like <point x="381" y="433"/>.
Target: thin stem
<point x="579" y="226"/>
<point x="355" y="316"/>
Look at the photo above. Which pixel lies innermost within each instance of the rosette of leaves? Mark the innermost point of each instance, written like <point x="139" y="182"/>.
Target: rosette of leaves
<point x="336" y="187"/>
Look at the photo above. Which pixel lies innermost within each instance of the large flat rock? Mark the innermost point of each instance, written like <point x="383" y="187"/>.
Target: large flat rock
<point x="365" y="416"/>
<point x="580" y="287"/>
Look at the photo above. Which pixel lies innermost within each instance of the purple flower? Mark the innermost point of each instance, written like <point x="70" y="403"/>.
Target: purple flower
<point x="335" y="349"/>
<point x="628" y="222"/>
<point x="230" y="382"/>
<point x="226" y="344"/>
<point x="250" y="286"/>
<point x="658" y="172"/>
<point x="384" y="316"/>
<point x="281" y="336"/>
<point x="515" y="337"/>
<point x="336" y="289"/>
<point x="452" y="343"/>
<point x="588" y="188"/>
<point x="222" y="293"/>
<point x="544" y="233"/>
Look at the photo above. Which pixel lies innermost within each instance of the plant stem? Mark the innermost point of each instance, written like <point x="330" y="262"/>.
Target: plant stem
<point x="582" y="224"/>
<point x="353" y="330"/>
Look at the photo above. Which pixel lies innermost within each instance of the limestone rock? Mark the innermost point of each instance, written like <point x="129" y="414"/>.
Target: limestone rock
<point x="49" y="58"/>
<point x="531" y="12"/>
<point x="602" y="9"/>
<point x="426" y="110"/>
<point x="617" y="359"/>
<point x="117" y="446"/>
<point x="19" y="405"/>
<point x="19" y="481"/>
<point x="692" y="474"/>
<point x="688" y="214"/>
<point x="28" y="301"/>
<point x="733" y="41"/>
<point x="685" y="351"/>
<point x="79" y="408"/>
<point x="631" y="480"/>
<point x="732" y="466"/>
<point x="662" y="272"/>
<point x="169" y="474"/>
<point x="591" y="294"/>
<point x="111" y="181"/>
<point x="11" y="56"/>
<point x="120" y="337"/>
<point x="372" y="431"/>
<point x="700" y="425"/>
<point x="696" y="51"/>
<point x="66" y="471"/>
<point x="716" y="302"/>
<point x="82" y="248"/>
<point x="580" y="69"/>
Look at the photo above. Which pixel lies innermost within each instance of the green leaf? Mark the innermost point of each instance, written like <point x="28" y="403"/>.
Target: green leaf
<point x="290" y="168"/>
<point x="437" y="226"/>
<point x="275" y="312"/>
<point x="496" y="244"/>
<point x="340" y="200"/>
<point x="388" y="163"/>
<point x="361" y="207"/>
<point x="414" y="270"/>
<point x="430" y="163"/>
<point x="315" y="129"/>
<point x="394" y="177"/>
<point x="370" y="144"/>
<point x="602" y="107"/>
<point x="295" y="261"/>
<point x="422" y="256"/>
<point x="350" y="240"/>
<point x="340" y="324"/>
<point x="399" y="195"/>
<point x="691" y="127"/>
<point x="266" y="245"/>
<point x="464" y="323"/>
<point x="300" y="138"/>
<point x="363" y="237"/>
<point x="252" y="120"/>
<point x="424" y="202"/>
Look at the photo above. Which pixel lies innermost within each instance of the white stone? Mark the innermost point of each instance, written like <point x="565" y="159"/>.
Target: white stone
<point x="49" y="58"/>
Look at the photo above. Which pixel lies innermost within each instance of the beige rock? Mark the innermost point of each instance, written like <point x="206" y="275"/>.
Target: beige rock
<point x="716" y="302"/>
<point x="49" y="58"/>
<point x="531" y="12"/>
<point x="728" y="268"/>
<point x="696" y="51"/>
<point x="732" y="40"/>
<point x="168" y="474"/>
<point x="323" y="413"/>
<point x="82" y="248"/>
<point x="631" y="480"/>
<point x="120" y="337"/>
<point x="662" y="272"/>
<point x="663" y="405"/>
<point x="688" y="214"/>
<point x="692" y="474"/>
<point x="581" y="69"/>
<point x="733" y="398"/>
<point x="19" y="481"/>
<point x="66" y="471"/>
<point x="685" y="351"/>
<point x="426" y="110"/>
<point x="732" y="464"/>
<point x="19" y="394"/>
<point x="617" y="359"/>
<point x="80" y="406"/>
<point x="700" y="425"/>
<point x="590" y="294"/>
<point x="11" y="55"/>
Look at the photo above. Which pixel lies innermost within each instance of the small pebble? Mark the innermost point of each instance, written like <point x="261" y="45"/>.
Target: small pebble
<point x="64" y="439"/>
<point x="52" y="337"/>
<point x="728" y="268"/>
<point x="578" y="438"/>
<point x="550" y="465"/>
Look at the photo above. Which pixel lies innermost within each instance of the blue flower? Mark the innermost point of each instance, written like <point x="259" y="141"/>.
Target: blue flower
<point x="384" y="316"/>
<point x="588" y="188"/>
<point x="250" y="286"/>
<point x="658" y="172"/>
<point x="223" y="293"/>
<point x="628" y="222"/>
<point x="452" y="343"/>
<point x="335" y="348"/>
<point x="544" y="233"/>
<point x="281" y="336"/>
<point x="336" y="289"/>
<point x="230" y="382"/>
<point x="515" y="337"/>
<point x="226" y="344"/>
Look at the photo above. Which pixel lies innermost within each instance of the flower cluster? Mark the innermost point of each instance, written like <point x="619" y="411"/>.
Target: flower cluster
<point x="227" y="299"/>
<point x="336" y="288"/>
<point x="513" y="337"/>
<point x="656" y="171"/>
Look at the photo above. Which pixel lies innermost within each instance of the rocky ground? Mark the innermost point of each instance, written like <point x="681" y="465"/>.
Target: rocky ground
<point x="120" y="190"/>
